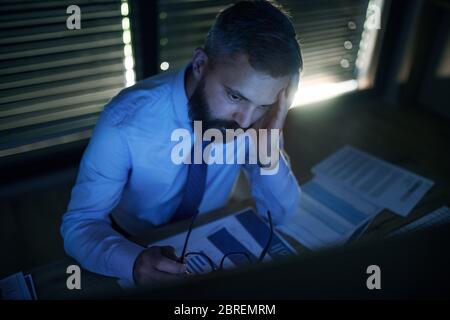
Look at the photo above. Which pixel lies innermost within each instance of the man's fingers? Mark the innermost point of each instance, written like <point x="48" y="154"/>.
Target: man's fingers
<point x="292" y="89"/>
<point x="283" y="107"/>
<point x="168" y="265"/>
<point x="169" y="252"/>
<point x="159" y="277"/>
<point x="165" y="277"/>
<point x="282" y="97"/>
<point x="157" y="264"/>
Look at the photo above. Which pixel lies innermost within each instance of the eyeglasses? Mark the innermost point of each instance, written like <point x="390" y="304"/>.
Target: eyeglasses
<point x="201" y="261"/>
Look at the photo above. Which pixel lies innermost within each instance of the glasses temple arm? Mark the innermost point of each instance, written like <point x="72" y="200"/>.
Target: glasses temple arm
<point x="183" y="253"/>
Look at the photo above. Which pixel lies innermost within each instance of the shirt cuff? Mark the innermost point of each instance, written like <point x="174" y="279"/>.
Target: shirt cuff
<point x="281" y="168"/>
<point x="123" y="258"/>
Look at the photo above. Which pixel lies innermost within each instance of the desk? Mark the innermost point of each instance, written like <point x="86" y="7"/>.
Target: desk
<point x="413" y="139"/>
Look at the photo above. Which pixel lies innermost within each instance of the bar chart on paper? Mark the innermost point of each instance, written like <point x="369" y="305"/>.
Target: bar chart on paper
<point x="380" y="182"/>
<point x="198" y="264"/>
<point x="243" y="234"/>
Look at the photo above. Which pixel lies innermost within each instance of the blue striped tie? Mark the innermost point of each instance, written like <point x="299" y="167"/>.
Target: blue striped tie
<point x="193" y="189"/>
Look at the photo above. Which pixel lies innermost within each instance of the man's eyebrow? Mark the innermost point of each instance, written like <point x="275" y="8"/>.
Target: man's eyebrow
<point x="236" y="92"/>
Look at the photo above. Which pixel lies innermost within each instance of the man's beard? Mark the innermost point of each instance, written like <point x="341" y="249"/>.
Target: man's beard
<point x="199" y="110"/>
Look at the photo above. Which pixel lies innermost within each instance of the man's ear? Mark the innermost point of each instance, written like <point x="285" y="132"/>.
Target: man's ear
<point x="199" y="63"/>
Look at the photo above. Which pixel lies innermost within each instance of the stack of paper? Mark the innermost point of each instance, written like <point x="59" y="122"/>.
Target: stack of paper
<point x="381" y="183"/>
<point x="437" y="217"/>
<point x="328" y="216"/>
<point x="349" y="189"/>
<point x="17" y="287"/>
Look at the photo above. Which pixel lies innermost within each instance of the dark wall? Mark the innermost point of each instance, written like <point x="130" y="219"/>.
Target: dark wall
<point x="434" y="92"/>
<point x="413" y="65"/>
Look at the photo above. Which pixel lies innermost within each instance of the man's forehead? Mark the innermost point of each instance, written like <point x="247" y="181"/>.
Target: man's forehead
<point x="258" y="87"/>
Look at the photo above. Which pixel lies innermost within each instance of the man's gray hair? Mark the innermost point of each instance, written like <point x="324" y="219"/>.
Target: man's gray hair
<point x="263" y="31"/>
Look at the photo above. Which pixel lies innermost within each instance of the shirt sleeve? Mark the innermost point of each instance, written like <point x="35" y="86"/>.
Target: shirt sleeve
<point x="86" y="227"/>
<point x="276" y="190"/>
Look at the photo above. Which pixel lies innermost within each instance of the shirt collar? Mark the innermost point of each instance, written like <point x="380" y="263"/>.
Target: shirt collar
<point x="180" y="99"/>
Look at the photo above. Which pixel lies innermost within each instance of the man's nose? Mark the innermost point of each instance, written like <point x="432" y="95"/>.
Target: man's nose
<point x="244" y="117"/>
